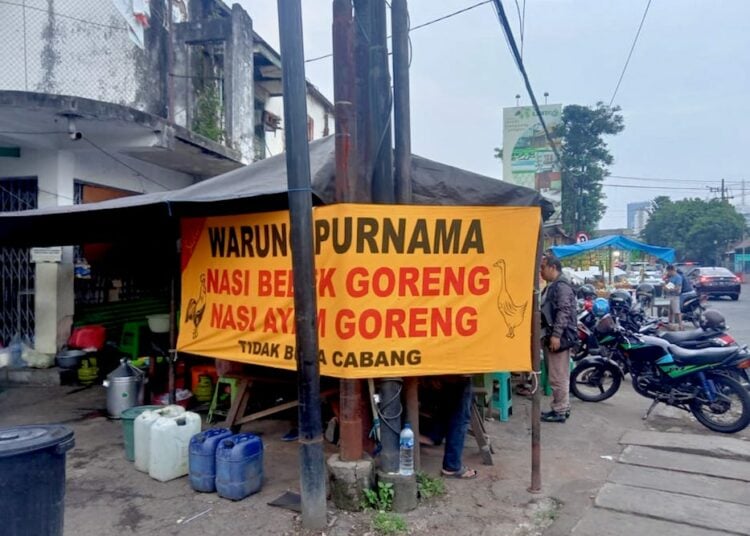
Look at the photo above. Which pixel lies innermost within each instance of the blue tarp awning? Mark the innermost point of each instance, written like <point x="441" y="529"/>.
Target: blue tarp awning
<point x="617" y="242"/>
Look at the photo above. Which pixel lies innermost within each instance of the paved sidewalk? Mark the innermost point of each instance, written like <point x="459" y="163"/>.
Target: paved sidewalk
<point x="674" y="484"/>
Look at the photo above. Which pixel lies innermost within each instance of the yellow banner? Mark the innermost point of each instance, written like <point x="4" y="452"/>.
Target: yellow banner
<point x="402" y="290"/>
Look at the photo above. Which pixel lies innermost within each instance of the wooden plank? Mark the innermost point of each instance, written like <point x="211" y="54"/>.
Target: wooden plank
<point x="483" y="440"/>
<point x="731" y="518"/>
<point x="687" y="463"/>
<point x="239" y="404"/>
<point x="281" y="407"/>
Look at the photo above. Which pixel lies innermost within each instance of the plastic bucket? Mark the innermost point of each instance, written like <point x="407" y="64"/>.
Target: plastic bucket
<point x="32" y="479"/>
<point x="128" y="417"/>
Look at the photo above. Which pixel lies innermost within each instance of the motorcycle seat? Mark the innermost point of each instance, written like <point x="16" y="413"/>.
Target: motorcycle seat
<point x="676" y="337"/>
<point x="705" y="356"/>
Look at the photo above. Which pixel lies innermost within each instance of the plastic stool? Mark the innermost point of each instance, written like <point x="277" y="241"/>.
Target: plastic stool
<point x="502" y="395"/>
<point x="221" y="384"/>
<point x="544" y="376"/>
<point x="130" y="340"/>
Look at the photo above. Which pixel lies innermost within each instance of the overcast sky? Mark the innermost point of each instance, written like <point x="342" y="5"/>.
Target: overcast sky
<point x="684" y="95"/>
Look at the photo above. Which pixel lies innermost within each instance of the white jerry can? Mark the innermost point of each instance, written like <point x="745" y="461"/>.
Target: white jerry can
<point x="142" y="432"/>
<point x="169" y="444"/>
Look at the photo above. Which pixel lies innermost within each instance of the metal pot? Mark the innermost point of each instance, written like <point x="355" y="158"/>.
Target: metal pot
<point x="124" y="389"/>
<point x="69" y="358"/>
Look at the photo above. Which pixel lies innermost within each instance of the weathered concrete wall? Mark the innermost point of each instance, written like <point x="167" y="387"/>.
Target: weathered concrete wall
<point x="82" y="48"/>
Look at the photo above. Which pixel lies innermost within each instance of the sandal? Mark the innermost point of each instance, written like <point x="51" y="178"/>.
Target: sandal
<point x="524" y="390"/>
<point x="462" y="474"/>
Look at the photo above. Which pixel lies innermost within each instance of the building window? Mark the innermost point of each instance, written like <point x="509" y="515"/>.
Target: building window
<point x="310" y="128"/>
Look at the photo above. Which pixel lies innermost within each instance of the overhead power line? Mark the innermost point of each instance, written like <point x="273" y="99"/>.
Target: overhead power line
<point x="641" y="187"/>
<point x="418" y="26"/>
<point x="632" y="47"/>
<point x="519" y="62"/>
<point x="662" y="179"/>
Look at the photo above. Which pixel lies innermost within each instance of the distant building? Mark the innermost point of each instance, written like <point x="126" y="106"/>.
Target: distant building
<point x="638" y="214"/>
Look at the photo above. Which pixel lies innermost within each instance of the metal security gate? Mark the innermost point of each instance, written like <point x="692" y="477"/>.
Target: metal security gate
<point x="16" y="272"/>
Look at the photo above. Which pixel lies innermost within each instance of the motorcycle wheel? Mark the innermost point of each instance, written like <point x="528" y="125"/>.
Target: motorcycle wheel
<point x="730" y="412"/>
<point x="594" y="382"/>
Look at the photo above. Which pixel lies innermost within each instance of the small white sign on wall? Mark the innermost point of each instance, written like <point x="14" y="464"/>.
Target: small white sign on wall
<point x="53" y="254"/>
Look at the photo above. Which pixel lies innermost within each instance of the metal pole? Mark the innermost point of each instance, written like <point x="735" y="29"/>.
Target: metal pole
<point x="362" y="145"/>
<point x="350" y="393"/>
<point x="312" y="464"/>
<point x="401" y="112"/>
<point x="536" y="400"/>
<point x="402" y="165"/>
<point x="383" y="191"/>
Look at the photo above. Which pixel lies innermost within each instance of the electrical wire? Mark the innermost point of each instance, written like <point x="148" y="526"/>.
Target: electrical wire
<point x="661" y="179"/>
<point x="641" y="187"/>
<point x="519" y="62"/>
<point x="632" y="47"/>
<point x="56" y="14"/>
<point x="417" y="27"/>
<point x="131" y="168"/>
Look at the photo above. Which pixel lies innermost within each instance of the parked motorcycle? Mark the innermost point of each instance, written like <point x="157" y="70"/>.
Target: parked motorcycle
<point x="692" y="308"/>
<point x="700" y="381"/>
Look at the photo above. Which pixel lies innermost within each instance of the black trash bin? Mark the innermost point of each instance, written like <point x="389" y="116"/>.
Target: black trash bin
<point x="32" y="479"/>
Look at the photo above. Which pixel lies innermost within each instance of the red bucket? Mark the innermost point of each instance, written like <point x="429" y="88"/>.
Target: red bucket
<point x="88" y="337"/>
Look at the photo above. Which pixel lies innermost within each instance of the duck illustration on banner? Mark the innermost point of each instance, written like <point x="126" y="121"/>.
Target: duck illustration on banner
<point x="196" y="307"/>
<point x="512" y="314"/>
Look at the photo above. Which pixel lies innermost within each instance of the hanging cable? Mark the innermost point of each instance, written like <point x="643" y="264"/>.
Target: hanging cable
<point x="627" y="61"/>
<point x="519" y="62"/>
<point x="417" y="27"/>
<point x="122" y="163"/>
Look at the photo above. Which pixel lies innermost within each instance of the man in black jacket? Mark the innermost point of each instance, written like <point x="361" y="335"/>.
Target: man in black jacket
<point x="559" y="326"/>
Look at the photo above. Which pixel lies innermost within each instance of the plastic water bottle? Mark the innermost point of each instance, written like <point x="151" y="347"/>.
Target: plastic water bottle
<point x="406" y="454"/>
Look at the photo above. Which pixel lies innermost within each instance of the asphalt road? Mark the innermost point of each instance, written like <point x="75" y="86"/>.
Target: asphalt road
<point x="737" y="314"/>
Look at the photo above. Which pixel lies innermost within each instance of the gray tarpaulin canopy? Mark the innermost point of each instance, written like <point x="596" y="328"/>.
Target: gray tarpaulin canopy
<point x="259" y="187"/>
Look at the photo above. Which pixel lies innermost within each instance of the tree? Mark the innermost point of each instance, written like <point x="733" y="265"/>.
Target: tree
<point x="698" y="230"/>
<point x="585" y="158"/>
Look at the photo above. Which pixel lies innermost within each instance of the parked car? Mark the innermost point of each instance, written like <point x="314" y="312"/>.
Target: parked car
<point x="715" y="281"/>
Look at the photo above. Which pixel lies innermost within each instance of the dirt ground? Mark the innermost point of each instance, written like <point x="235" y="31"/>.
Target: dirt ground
<point x="107" y="496"/>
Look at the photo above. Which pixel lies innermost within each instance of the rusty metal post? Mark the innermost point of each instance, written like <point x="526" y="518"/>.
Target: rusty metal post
<point x="350" y="393"/>
<point x="536" y="401"/>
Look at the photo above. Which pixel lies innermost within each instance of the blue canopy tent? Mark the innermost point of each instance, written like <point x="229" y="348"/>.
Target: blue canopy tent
<point x="614" y="242"/>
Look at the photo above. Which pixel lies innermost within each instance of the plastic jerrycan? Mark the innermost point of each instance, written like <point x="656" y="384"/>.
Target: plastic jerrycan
<point x="202" y="458"/>
<point x="142" y="433"/>
<point x="239" y="466"/>
<point x="169" y="441"/>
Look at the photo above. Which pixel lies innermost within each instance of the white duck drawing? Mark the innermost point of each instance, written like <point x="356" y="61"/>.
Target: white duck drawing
<point x="512" y="314"/>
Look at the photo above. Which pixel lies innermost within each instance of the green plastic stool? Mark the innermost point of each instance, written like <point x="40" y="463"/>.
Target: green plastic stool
<point x="130" y="340"/>
<point x="220" y="396"/>
<point x="502" y="394"/>
<point x="544" y="376"/>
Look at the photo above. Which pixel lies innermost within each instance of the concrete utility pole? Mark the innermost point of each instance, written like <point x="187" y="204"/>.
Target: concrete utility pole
<point x="312" y="465"/>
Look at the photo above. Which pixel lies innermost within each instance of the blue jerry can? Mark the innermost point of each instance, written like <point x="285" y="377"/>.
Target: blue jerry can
<point x="239" y="466"/>
<point x="202" y="458"/>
